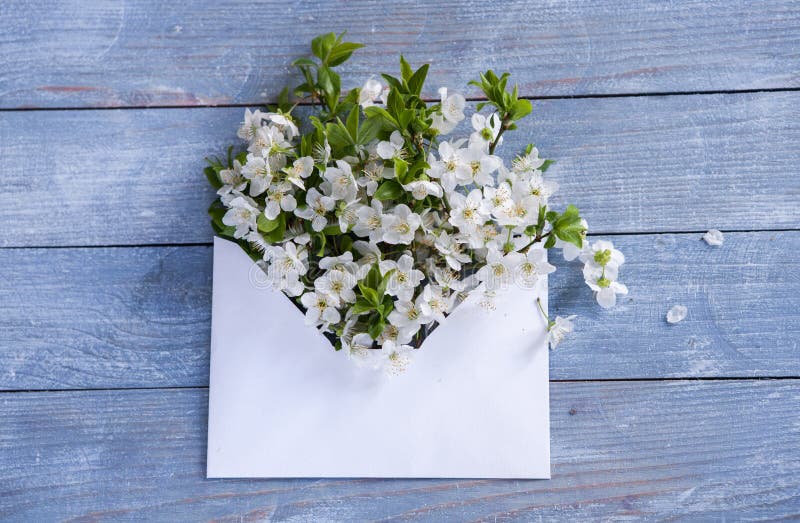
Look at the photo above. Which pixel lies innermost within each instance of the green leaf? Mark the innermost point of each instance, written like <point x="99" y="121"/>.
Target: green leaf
<point x="283" y="102"/>
<point x="267" y="225"/>
<point x="320" y="239"/>
<point x="380" y="112"/>
<point x="332" y="230"/>
<point x="521" y="109"/>
<point x="277" y="234"/>
<point x="361" y="306"/>
<point x="388" y="306"/>
<point x="304" y="62"/>
<point x="352" y="122"/>
<point x="328" y="80"/>
<point x="568" y="227"/>
<point x="369" y="130"/>
<point x="213" y="179"/>
<point x="384" y="282"/>
<point x="370" y="294"/>
<point x="322" y="45"/>
<point x="400" y="169"/>
<point x="395" y="104"/>
<point x="546" y="165"/>
<point x="338" y="135"/>
<point x="376" y="327"/>
<point x="373" y="277"/>
<point x="405" y="70"/>
<point x="342" y="53"/>
<point x="345" y="244"/>
<point x="389" y="190"/>
<point x="417" y="80"/>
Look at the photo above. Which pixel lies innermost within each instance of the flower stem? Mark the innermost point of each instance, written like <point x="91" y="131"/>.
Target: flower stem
<point x="546" y="317"/>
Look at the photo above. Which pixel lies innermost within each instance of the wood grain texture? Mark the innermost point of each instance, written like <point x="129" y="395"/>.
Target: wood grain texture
<point x="671" y="163"/>
<point x="119" y="53"/>
<point x="674" y="450"/>
<point x="140" y="317"/>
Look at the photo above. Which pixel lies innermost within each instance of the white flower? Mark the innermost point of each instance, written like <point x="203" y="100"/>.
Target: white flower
<point x="403" y="279"/>
<point x="407" y="314"/>
<point x="422" y="188"/>
<point x="232" y="179"/>
<point x="372" y="174"/>
<point x="343" y="184"/>
<point x="486" y="235"/>
<point x="278" y="197"/>
<point x="465" y="211"/>
<point x="242" y="214"/>
<point x="268" y="141"/>
<point x="251" y="124"/>
<point x="499" y="269"/>
<point x="434" y="304"/>
<point x="496" y="197"/>
<point x="300" y="169"/>
<point x="450" y="168"/>
<point x="285" y="124"/>
<point x="451" y="112"/>
<point x="481" y="165"/>
<point x="360" y="351"/>
<point x="316" y="210"/>
<point x="537" y="187"/>
<point x="532" y="266"/>
<point x="287" y="264"/>
<point x="712" y="237"/>
<point x="520" y="210"/>
<point x="400" y="224"/>
<point x="370" y="221"/>
<point x="343" y="262"/>
<point x="602" y="254"/>
<point x="448" y="279"/>
<point x="396" y="357"/>
<point x="451" y="250"/>
<point x="319" y="308"/>
<point x="452" y="106"/>
<point x="370" y="253"/>
<point x="370" y="92"/>
<point x="604" y="285"/>
<point x="259" y="171"/>
<point x="486" y="129"/>
<point x="440" y="124"/>
<point x="394" y="335"/>
<point x="347" y="212"/>
<point x="393" y="148"/>
<point x="528" y="162"/>
<point x="558" y="330"/>
<point x="338" y="285"/>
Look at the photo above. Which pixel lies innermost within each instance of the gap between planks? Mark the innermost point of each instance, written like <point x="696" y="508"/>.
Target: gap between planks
<point x="589" y="380"/>
<point x="431" y="100"/>
<point x="210" y="244"/>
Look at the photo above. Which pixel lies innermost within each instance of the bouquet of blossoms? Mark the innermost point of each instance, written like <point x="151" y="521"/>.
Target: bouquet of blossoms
<point x="376" y="224"/>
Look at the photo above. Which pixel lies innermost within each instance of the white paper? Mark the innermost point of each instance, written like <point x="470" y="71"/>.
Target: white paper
<point x="473" y="403"/>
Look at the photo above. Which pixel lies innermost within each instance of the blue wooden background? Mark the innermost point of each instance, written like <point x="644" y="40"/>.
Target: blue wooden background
<point x="667" y="119"/>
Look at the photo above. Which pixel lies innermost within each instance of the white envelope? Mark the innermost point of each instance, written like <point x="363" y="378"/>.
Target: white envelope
<point x="473" y="403"/>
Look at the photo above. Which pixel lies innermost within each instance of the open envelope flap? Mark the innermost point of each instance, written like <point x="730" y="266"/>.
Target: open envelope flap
<point x="472" y="403"/>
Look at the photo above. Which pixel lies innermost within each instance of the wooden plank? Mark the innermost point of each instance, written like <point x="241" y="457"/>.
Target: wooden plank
<point x="656" y="450"/>
<point x="140" y="317"/>
<point x="151" y="53"/>
<point x="646" y="164"/>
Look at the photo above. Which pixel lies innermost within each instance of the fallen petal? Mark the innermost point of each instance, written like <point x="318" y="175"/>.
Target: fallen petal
<point x="714" y="237"/>
<point x="676" y="314"/>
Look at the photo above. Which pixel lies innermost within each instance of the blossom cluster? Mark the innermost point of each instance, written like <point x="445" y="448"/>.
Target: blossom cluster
<point x="377" y="225"/>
